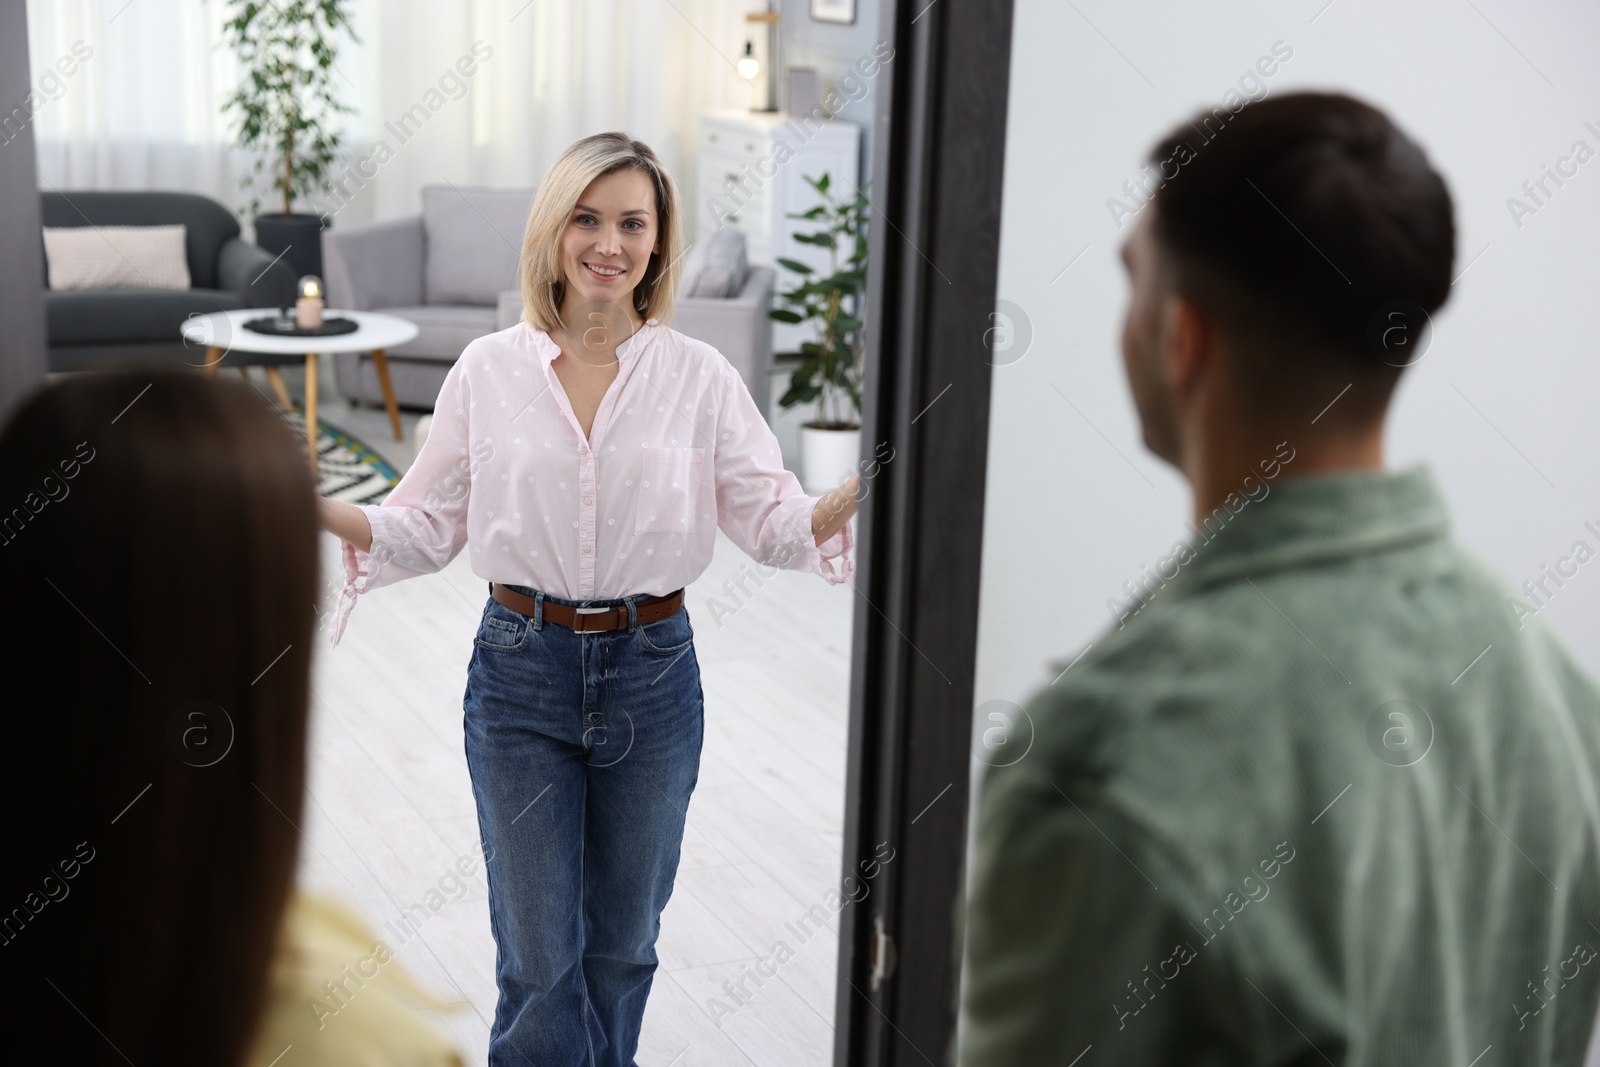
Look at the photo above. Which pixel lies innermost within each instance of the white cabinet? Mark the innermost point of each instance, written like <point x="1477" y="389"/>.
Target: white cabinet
<point x="752" y="170"/>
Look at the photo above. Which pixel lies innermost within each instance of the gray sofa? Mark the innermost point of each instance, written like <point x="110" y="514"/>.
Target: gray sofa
<point x="91" y="328"/>
<point x="452" y="270"/>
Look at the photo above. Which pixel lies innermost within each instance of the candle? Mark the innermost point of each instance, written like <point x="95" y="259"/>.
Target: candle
<point x="308" y="308"/>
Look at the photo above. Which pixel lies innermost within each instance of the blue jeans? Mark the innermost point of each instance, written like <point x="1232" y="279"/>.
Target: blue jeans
<point x="583" y="750"/>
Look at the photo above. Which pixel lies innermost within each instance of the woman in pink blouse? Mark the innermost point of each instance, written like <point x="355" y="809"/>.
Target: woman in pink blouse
<point x="588" y="456"/>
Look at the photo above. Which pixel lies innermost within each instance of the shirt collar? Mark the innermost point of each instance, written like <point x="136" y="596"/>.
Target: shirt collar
<point x="548" y="350"/>
<point x="1317" y="518"/>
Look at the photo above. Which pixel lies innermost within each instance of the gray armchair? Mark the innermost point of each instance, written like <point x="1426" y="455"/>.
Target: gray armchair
<point x="453" y="271"/>
<point x="92" y="328"/>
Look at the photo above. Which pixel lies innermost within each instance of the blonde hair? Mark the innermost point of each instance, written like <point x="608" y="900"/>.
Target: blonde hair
<point x="543" y="280"/>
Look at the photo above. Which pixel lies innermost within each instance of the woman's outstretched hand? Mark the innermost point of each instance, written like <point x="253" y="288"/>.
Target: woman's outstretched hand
<point x="346" y="522"/>
<point x="834" y="510"/>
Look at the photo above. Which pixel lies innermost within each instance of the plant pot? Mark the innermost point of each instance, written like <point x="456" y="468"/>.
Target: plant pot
<point x="827" y="457"/>
<point x="298" y="237"/>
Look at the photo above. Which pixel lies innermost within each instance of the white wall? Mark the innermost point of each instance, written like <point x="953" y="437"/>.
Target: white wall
<point x="1067" y="517"/>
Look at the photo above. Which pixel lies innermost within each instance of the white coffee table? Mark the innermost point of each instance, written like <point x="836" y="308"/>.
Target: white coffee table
<point x="228" y="343"/>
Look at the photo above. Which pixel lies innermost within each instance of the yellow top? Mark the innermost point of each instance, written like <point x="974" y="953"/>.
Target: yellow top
<point x="338" y="996"/>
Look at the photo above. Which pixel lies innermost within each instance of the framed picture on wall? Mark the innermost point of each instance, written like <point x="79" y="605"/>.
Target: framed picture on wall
<point x="833" y="11"/>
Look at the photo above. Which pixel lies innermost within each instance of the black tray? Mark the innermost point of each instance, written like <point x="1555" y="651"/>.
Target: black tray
<point x="276" y="326"/>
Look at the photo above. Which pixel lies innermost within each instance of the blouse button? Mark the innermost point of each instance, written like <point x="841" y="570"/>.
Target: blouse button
<point x="588" y="500"/>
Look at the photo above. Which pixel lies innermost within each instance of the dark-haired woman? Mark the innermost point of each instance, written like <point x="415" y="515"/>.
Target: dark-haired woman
<point x="160" y="567"/>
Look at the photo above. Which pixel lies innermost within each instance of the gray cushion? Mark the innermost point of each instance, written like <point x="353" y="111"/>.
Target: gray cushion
<point x="473" y="240"/>
<point x="94" y="316"/>
<point x="442" y="330"/>
<point x="726" y="265"/>
<point x="694" y="265"/>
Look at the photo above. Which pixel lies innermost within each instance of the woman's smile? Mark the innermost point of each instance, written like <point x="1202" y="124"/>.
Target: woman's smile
<point x="605" y="272"/>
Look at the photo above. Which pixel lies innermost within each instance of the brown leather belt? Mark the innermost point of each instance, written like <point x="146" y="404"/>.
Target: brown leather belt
<point x="586" y="620"/>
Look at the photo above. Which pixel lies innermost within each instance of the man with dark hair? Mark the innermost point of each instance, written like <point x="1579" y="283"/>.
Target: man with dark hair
<point x="1320" y="797"/>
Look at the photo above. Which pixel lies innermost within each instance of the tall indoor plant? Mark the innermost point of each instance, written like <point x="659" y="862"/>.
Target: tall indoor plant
<point x="834" y="303"/>
<point x="287" y="111"/>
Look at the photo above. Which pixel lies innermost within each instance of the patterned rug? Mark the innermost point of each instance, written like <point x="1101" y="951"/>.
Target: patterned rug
<point x="346" y="468"/>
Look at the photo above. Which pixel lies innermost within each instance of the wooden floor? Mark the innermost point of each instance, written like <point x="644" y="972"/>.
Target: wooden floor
<point x="391" y="811"/>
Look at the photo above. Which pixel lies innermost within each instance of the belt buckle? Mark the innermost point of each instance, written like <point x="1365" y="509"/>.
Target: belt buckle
<point x="588" y="611"/>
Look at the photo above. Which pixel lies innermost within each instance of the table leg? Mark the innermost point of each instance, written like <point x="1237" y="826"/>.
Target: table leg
<point x="278" y="387"/>
<point x="311" y="408"/>
<point x="380" y="363"/>
<point x="213" y="357"/>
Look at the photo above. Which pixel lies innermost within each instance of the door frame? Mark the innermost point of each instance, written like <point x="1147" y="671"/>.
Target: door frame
<point x="23" y="345"/>
<point x="939" y="151"/>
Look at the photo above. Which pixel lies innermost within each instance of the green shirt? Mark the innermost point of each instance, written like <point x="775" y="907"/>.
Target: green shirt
<point x="1325" y="798"/>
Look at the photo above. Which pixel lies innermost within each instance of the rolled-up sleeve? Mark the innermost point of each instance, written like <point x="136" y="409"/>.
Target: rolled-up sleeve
<point x="422" y="524"/>
<point x="760" y="504"/>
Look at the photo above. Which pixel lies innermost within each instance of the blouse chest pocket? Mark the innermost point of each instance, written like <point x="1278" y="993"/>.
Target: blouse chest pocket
<point x="669" y="489"/>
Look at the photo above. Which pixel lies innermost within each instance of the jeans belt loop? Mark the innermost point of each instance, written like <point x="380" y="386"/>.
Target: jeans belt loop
<point x="633" y="615"/>
<point x="538" y="610"/>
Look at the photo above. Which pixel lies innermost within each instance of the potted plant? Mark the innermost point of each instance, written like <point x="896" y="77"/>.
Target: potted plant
<point x="834" y="303"/>
<point x="287" y="113"/>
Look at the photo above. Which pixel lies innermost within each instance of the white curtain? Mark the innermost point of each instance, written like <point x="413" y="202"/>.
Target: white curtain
<point x="144" y="109"/>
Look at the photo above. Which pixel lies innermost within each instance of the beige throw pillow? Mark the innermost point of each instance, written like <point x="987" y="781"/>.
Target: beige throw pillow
<point x="116" y="257"/>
